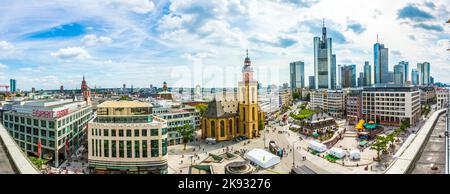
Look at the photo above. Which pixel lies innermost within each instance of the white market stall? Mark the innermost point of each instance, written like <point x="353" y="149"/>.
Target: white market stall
<point x="338" y="152"/>
<point x="262" y="158"/>
<point x="316" y="146"/>
<point x="355" y="155"/>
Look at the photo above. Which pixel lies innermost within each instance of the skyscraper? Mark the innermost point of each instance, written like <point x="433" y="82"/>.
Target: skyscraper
<point x="339" y="75"/>
<point x="381" y="63"/>
<point x="324" y="62"/>
<point x="361" y="79"/>
<point x="405" y="66"/>
<point x="424" y="73"/>
<point x="414" y="77"/>
<point x="297" y="72"/>
<point x="312" y="83"/>
<point x="367" y="74"/>
<point x="399" y="74"/>
<point x="348" y="76"/>
<point x="12" y="85"/>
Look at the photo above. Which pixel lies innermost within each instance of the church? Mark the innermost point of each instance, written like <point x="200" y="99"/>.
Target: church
<point x="242" y="117"/>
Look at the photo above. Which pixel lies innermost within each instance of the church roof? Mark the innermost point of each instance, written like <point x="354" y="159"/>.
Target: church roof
<point x="215" y="110"/>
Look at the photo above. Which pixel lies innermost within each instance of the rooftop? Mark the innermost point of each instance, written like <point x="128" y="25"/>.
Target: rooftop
<point x="124" y="104"/>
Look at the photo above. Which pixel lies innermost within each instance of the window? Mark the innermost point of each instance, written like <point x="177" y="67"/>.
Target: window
<point x="44" y="133"/>
<point x="164" y="131"/>
<point x="43" y="123"/>
<point x="164" y="146"/>
<point x="106" y="148"/>
<point x="155" y="148"/>
<point x="51" y="124"/>
<point x="36" y="122"/>
<point x="136" y="132"/>
<point x="136" y="149"/>
<point x="129" y="151"/>
<point x="144" y="132"/>
<point x="222" y="128"/>
<point x="113" y="132"/>
<point x="154" y="132"/>
<point x="35" y="131"/>
<point x="105" y="132"/>
<point x="128" y="132"/>
<point x="113" y="149"/>
<point x="51" y="134"/>
<point x="121" y="149"/>
<point x="120" y="133"/>
<point x="144" y="149"/>
<point x="28" y="121"/>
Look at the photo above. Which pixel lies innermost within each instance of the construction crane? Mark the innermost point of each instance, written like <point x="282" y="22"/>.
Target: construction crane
<point x="6" y="88"/>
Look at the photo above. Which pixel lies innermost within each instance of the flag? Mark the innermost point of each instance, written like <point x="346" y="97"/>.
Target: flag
<point x="39" y="148"/>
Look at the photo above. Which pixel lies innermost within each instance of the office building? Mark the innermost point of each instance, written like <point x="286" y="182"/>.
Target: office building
<point x="424" y="73"/>
<point x="312" y="82"/>
<point x="330" y="101"/>
<point x="361" y="79"/>
<point x="381" y="63"/>
<point x="414" y="77"/>
<point x="12" y="85"/>
<point x="367" y="74"/>
<point x="176" y="115"/>
<point x="324" y="62"/>
<point x="348" y="73"/>
<point x="297" y="75"/>
<point x="399" y="74"/>
<point x="405" y="66"/>
<point x="442" y="97"/>
<point x="59" y="126"/>
<point x="126" y="138"/>
<point x="390" y="105"/>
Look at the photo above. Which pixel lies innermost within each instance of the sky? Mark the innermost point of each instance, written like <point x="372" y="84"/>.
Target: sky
<point x="45" y="44"/>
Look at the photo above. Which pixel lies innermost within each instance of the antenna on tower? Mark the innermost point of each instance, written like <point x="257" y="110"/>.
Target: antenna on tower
<point x="247" y="53"/>
<point x="323" y="21"/>
<point x="377" y="38"/>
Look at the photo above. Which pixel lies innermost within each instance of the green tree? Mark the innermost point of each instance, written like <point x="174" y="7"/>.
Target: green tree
<point x="187" y="133"/>
<point x="295" y="95"/>
<point x="124" y="98"/>
<point x="202" y="108"/>
<point x="380" y="145"/>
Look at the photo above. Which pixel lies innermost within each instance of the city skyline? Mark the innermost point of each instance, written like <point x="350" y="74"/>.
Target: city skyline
<point x="148" y="42"/>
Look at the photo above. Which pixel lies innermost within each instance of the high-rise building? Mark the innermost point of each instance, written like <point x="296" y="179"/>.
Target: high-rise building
<point x="61" y="89"/>
<point x="297" y="72"/>
<point x="33" y="90"/>
<point x="424" y="73"/>
<point x="312" y="82"/>
<point x="12" y="85"/>
<point x="324" y="62"/>
<point x="381" y="63"/>
<point x="414" y="77"/>
<point x="367" y="74"/>
<point x="399" y="74"/>
<point x="361" y="79"/>
<point x="348" y="76"/>
<point x="338" y="78"/>
<point x="405" y="66"/>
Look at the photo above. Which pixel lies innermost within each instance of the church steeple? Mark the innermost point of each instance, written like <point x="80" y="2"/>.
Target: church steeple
<point x="247" y="61"/>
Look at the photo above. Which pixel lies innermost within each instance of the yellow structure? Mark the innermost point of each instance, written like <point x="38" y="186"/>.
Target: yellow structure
<point x="225" y="120"/>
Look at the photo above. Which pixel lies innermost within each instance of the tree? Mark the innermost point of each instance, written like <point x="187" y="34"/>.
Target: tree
<point x="295" y="95"/>
<point x="379" y="145"/>
<point x="187" y="133"/>
<point x="124" y="98"/>
<point x="202" y="108"/>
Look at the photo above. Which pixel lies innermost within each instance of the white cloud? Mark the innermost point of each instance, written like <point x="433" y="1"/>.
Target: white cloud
<point x="92" y="39"/>
<point x="5" y="45"/>
<point x="71" y="52"/>
<point x="137" y="6"/>
<point x="3" y="66"/>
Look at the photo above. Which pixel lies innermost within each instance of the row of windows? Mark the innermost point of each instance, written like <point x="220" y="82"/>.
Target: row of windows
<point x="32" y="139"/>
<point x="127" y="132"/>
<point x="29" y="130"/>
<point x="127" y="149"/>
<point x="385" y="94"/>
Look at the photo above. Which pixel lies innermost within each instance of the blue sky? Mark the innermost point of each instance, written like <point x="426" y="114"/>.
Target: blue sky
<point x="45" y="44"/>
